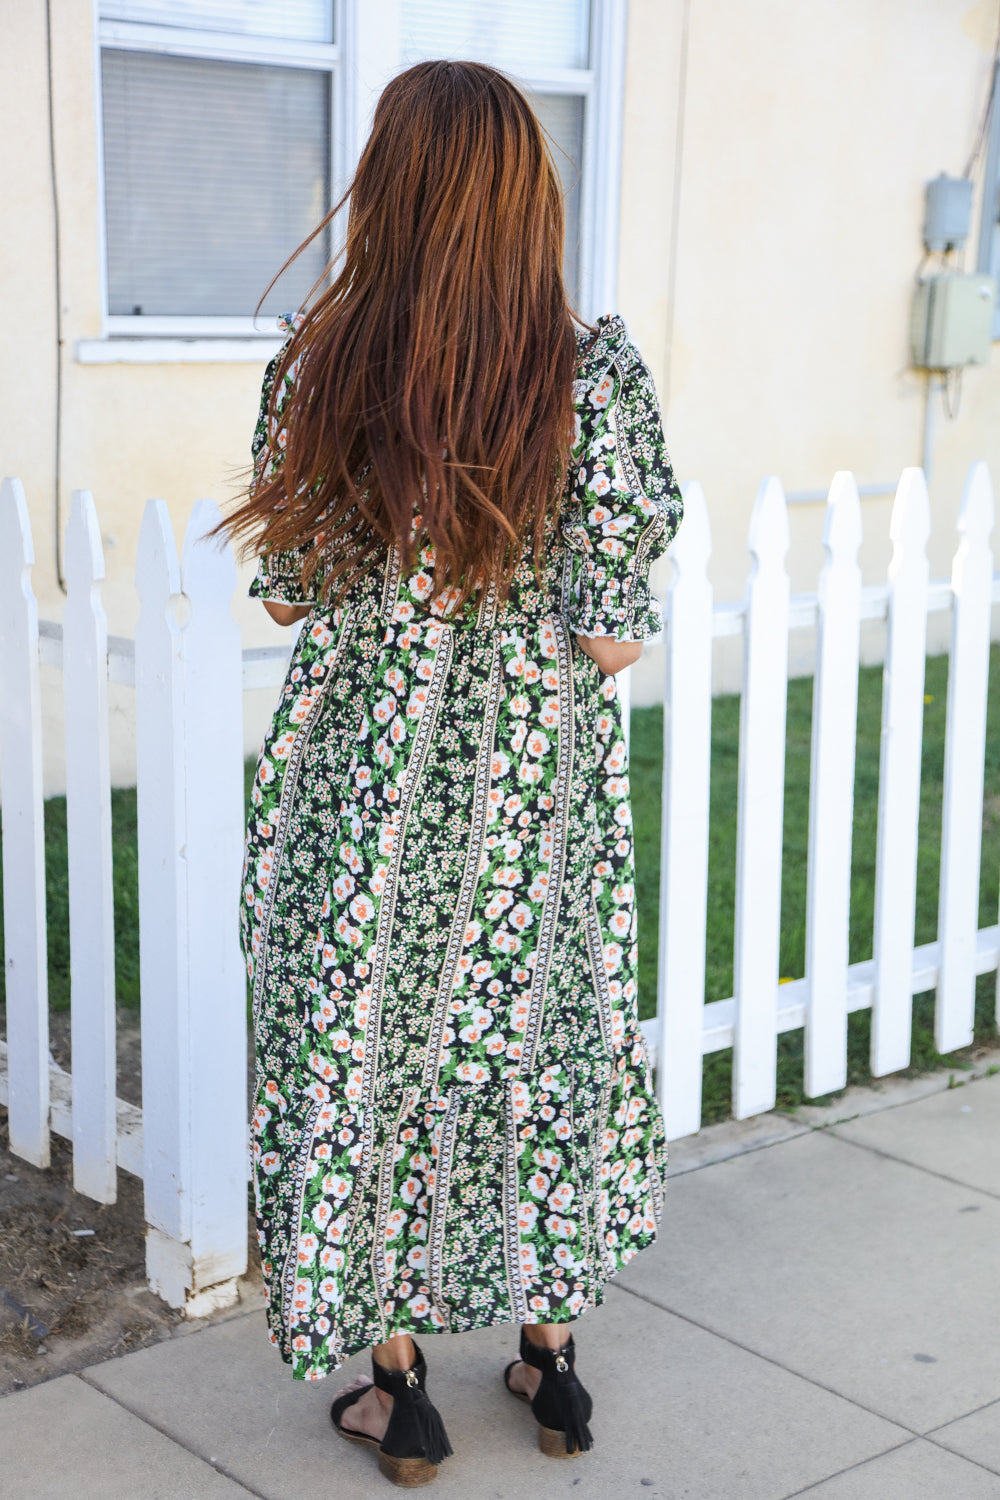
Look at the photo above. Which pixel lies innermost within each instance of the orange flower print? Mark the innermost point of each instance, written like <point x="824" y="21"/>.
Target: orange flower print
<point x="307" y="1248"/>
<point x="538" y="1185"/>
<point x="362" y="908"/>
<point x="470" y="1072"/>
<point x="601" y="393"/>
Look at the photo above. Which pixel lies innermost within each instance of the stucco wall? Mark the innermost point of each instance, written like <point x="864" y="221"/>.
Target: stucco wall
<point x="772" y="196"/>
<point x="774" y="166"/>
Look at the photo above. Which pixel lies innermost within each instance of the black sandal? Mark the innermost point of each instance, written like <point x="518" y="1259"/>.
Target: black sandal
<point x="561" y="1406"/>
<point x="415" y="1441"/>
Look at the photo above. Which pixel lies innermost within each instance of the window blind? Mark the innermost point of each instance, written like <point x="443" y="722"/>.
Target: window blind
<point x="989" y="224"/>
<point x="296" y="20"/>
<point x="561" y="115"/>
<point x="517" y="35"/>
<point x="510" y="35"/>
<point x="214" y="172"/>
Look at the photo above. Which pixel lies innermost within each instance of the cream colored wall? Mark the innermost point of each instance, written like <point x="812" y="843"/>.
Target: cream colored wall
<point x="129" y="431"/>
<point x="772" y="196"/>
<point x="775" y="158"/>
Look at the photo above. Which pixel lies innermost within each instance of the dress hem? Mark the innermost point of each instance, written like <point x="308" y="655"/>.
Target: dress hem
<point x="302" y="1371"/>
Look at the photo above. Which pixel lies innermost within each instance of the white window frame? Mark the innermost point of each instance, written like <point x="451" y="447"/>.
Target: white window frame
<point x="988" y="258"/>
<point x="145" y="338"/>
<point x="365" y="55"/>
<point x="603" y="123"/>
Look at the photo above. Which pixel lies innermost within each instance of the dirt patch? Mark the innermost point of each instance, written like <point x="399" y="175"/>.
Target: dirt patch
<point x="128" y="1050"/>
<point x="72" y="1272"/>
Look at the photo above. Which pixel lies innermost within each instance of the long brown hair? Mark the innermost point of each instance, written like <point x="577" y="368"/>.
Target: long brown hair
<point x="433" y="378"/>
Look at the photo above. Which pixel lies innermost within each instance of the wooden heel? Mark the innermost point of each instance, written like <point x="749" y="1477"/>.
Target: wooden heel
<point x="553" y="1443"/>
<point x="407" y="1473"/>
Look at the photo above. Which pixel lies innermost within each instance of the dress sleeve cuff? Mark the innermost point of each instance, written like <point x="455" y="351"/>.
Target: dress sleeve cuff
<point x="276" y="581"/>
<point x="615" y="609"/>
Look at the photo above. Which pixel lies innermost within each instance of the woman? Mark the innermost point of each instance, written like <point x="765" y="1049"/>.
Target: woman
<point x="461" y="495"/>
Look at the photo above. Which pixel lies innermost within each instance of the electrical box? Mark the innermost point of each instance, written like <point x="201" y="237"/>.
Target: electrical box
<point x="951" y="323"/>
<point x="947" y="212"/>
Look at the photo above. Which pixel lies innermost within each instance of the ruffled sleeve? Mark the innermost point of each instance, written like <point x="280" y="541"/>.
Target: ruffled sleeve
<point x="624" y="504"/>
<point x="279" y="574"/>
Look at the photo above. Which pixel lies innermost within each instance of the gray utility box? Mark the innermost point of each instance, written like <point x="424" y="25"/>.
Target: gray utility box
<point x="952" y="320"/>
<point x="947" y="213"/>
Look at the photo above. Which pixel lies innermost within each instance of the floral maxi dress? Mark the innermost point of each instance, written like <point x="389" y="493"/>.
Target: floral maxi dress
<point x="453" y="1121"/>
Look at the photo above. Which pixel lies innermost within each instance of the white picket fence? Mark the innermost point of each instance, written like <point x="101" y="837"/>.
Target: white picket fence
<point x="189" y="1140"/>
<point x="749" y="1021"/>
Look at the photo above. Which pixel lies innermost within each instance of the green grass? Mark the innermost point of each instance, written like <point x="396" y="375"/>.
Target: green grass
<point x="646" y="760"/>
<point x="646" y="756"/>
<point x="126" y="898"/>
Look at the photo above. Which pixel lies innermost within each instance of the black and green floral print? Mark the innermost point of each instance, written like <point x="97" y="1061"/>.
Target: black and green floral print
<point x="454" y="1123"/>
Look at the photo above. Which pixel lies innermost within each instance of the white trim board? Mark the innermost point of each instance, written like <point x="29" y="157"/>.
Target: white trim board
<point x="175" y="350"/>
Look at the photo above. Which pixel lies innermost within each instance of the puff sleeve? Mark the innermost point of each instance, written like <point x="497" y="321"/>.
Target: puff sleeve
<point x="279" y="574"/>
<point x="624" y="503"/>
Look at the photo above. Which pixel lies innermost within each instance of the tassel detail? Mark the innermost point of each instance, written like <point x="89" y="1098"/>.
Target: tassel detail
<point x="574" y="1415"/>
<point x="433" y="1437"/>
<point x="415" y="1440"/>
<point x="561" y="1406"/>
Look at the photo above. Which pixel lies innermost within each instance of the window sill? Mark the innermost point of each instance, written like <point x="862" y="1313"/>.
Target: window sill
<point x="176" y="350"/>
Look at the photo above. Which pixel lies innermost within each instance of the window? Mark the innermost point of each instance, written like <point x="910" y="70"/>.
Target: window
<point x="219" y="136"/>
<point x="988" y="259"/>
<point x="565" y="54"/>
<point x="228" y="127"/>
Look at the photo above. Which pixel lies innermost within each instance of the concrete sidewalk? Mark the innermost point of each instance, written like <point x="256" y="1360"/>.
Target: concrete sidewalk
<point x="820" y="1317"/>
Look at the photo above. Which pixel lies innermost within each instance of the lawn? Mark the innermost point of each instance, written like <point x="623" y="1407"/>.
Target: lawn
<point x="646" y="758"/>
<point x="647" y="749"/>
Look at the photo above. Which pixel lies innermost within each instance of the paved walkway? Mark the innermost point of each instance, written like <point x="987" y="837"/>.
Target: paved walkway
<point x="820" y="1318"/>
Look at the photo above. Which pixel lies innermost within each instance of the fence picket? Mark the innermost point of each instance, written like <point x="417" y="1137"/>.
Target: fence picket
<point x="215" y="1059"/>
<point x="163" y="906"/>
<point x="188" y="672"/>
<point x="899" y="775"/>
<point x="965" y="745"/>
<point x="831" y="791"/>
<point x="88" y="834"/>
<point x="21" y="811"/>
<point x="760" y="802"/>
<point x="687" y="737"/>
